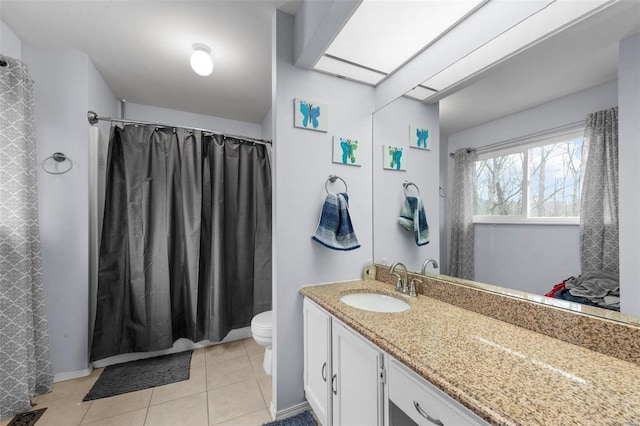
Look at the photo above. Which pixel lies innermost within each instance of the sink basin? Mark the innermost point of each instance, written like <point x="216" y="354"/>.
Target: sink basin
<point x="375" y="302"/>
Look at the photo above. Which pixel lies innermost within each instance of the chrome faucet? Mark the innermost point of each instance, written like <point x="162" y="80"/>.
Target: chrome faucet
<point x="401" y="283"/>
<point x="426" y="263"/>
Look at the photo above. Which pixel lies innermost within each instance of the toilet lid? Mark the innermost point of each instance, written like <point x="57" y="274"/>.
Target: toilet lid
<point x="263" y="321"/>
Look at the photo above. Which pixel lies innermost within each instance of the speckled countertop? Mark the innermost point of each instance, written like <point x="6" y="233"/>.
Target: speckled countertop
<point x="506" y="374"/>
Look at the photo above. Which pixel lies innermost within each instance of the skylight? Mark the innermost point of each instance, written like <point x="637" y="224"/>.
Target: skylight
<point x="540" y="25"/>
<point x="384" y="34"/>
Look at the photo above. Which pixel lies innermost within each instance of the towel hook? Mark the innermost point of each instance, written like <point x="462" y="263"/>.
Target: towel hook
<point x="332" y="179"/>
<point x="406" y="184"/>
<point x="59" y="157"/>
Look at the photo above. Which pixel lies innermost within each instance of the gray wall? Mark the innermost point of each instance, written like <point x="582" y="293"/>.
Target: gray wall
<point x="61" y="98"/>
<point x="629" y="153"/>
<point x="514" y="256"/>
<point x="10" y="44"/>
<point x="302" y="163"/>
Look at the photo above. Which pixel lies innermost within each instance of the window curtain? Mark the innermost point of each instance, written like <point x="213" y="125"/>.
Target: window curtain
<point x="599" y="243"/>
<point x="461" y="247"/>
<point x="186" y="239"/>
<point x="25" y="363"/>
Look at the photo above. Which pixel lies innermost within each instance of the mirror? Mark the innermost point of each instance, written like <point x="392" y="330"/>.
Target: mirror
<point x="394" y="126"/>
<point x="533" y="258"/>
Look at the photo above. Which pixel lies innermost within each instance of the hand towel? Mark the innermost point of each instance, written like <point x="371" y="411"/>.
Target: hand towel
<point x="413" y="218"/>
<point x="334" y="229"/>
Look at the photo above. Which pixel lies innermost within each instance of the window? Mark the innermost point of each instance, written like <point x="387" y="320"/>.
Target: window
<point x="537" y="181"/>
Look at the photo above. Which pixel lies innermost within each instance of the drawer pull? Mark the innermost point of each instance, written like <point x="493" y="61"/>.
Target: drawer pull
<point x="334" y="388"/>
<point x="426" y="416"/>
<point x="324" y="375"/>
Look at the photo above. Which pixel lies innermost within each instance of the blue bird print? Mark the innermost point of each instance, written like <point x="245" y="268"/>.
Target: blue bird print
<point x="422" y="135"/>
<point x="310" y="114"/>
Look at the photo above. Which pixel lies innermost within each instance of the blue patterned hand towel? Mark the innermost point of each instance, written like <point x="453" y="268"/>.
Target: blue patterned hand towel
<point x="413" y="218"/>
<point x="334" y="229"/>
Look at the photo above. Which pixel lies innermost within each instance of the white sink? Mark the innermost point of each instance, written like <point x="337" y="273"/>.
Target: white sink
<point x="375" y="302"/>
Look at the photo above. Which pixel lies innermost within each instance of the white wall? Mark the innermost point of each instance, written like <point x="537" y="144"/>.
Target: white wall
<point x="100" y="97"/>
<point x="518" y="248"/>
<point x="629" y="175"/>
<point x="391" y="126"/>
<point x="302" y="163"/>
<point x="10" y="43"/>
<point x="531" y="258"/>
<point x="181" y="118"/>
<point x="60" y="103"/>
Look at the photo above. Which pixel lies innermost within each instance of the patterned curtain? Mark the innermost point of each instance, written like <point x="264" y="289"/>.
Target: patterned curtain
<point x="25" y="364"/>
<point x="461" y="247"/>
<point x="599" y="206"/>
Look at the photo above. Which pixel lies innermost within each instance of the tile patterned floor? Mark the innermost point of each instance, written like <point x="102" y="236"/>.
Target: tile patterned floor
<point x="227" y="387"/>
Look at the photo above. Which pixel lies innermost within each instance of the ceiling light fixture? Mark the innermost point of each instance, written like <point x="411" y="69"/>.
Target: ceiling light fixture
<point x="201" y="61"/>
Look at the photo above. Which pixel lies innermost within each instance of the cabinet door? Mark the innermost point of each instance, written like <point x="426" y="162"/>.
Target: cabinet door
<point x="317" y="360"/>
<point x="355" y="384"/>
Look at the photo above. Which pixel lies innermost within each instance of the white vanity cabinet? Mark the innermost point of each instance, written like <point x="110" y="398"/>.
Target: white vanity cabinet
<point x="349" y="381"/>
<point x="317" y="360"/>
<point x="357" y="380"/>
<point x="422" y="402"/>
<point x="343" y="379"/>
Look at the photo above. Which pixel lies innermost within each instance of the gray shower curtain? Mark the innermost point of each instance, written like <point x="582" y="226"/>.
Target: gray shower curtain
<point x="186" y="239"/>
<point x="25" y="363"/>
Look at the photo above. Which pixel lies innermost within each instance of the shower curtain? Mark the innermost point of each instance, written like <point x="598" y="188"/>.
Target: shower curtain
<point x="25" y="363"/>
<point x="186" y="239"/>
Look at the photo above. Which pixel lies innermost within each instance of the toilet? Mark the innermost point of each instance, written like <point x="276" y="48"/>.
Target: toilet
<point x="262" y="331"/>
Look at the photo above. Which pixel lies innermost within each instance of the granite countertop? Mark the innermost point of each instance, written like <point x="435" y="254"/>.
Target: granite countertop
<point x="504" y="373"/>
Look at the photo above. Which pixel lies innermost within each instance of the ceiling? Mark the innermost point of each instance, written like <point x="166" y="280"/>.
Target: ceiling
<point x="141" y="48"/>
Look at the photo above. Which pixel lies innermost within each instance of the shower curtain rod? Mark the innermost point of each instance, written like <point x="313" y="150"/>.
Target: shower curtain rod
<point x="93" y="118"/>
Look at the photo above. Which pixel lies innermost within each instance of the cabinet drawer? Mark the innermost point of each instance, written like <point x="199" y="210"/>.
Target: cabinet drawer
<point x="418" y="399"/>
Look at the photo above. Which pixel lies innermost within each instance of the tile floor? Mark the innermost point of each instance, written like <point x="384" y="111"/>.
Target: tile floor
<point x="227" y="387"/>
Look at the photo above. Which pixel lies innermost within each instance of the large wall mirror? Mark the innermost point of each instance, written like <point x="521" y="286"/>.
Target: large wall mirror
<point x="539" y="89"/>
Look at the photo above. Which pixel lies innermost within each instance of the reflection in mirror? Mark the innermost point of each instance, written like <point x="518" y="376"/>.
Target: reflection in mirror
<point x="541" y="89"/>
<point x="406" y="212"/>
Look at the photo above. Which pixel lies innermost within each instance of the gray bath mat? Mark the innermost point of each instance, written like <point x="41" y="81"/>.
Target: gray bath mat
<point x="303" y="419"/>
<point x="142" y="374"/>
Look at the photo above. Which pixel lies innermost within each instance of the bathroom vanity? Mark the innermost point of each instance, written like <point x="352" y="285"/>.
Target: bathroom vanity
<point x="437" y="363"/>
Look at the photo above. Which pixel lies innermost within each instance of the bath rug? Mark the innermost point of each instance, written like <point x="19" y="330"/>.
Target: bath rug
<point x="142" y="374"/>
<point x="27" y="419"/>
<point x="303" y="419"/>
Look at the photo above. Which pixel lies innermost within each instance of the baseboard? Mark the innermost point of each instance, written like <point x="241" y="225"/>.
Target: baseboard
<point x="272" y="410"/>
<point x="291" y="411"/>
<point x="68" y="375"/>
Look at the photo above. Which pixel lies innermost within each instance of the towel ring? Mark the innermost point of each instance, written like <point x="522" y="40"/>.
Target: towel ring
<point x="332" y="179"/>
<point x="406" y="184"/>
<point x="59" y="157"/>
<point x="442" y="192"/>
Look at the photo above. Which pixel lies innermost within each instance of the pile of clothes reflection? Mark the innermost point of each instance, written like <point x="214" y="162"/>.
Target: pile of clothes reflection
<point x="595" y="288"/>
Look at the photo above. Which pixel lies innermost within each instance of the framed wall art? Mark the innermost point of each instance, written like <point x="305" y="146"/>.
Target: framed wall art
<point x="394" y="157"/>
<point x="310" y="115"/>
<point x="419" y="137"/>
<point x="345" y="151"/>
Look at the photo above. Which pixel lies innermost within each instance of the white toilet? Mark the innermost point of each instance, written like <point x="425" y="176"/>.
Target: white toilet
<point x="262" y="331"/>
